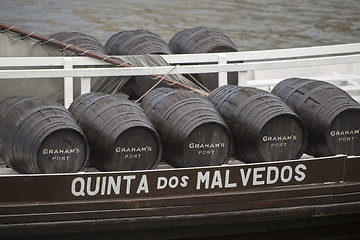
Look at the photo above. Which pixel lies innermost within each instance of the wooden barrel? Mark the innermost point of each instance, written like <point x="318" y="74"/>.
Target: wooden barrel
<point x="120" y="135"/>
<point x="331" y="116"/>
<point x="201" y="40"/>
<point x="90" y="43"/>
<point x="39" y="136"/>
<point x="192" y="131"/>
<point x="204" y="40"/>
<point x="264" y="127"/>
<point x="137" y="42"/>
<point x="80" y="40"/>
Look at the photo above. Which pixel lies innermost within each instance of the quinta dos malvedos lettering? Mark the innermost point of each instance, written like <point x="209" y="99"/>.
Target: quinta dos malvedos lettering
<point x="127" y="184"/>
<point x="202" y="180"/>
<point x="251" y="177"/>
<point x="108" y="185"/>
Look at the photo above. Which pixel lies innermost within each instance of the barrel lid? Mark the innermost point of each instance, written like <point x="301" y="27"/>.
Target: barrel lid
<point x="63" y="150"/>
<point x="283" y="137"/>
<point x="343" y="135"/>
<point x="208" y="144"/>
<point x="137" y="148"/>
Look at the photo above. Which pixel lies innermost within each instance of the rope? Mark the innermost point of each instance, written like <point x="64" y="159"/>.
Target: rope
<point x="124" y="63"/>
<point x="8" y="29"/>
<point x="158" y="82"/>
<point x="203" y="86"/>
<point x="84" y="52"/>
<point x="63" y="49"/>
<point x="29" y="35"/>
<point x="106" y="57"/>
<point x="48" y="41"/>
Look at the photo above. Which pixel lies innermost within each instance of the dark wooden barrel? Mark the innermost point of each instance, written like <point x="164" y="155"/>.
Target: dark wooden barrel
<point x="80" y="40"/>
<point x="201" y="40"/>
<point x="204" y="40"/>
<point x="264" y="127"/>
<point x="90" y="43"/>
<point x="120" y="135"/>
<point x="39" y="136"/>
<point x="331" y="116"/>
<point x="137" y="42"/>
<point x="192" y="131"/>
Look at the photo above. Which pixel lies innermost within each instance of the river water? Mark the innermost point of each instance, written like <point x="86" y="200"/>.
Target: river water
<point x="251" y="24"/>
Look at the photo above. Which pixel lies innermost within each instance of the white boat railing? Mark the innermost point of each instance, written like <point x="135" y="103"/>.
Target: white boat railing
<point x="339" y="64"/>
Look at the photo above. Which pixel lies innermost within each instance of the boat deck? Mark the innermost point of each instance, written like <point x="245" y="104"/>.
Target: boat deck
<point x="309" y="198"/>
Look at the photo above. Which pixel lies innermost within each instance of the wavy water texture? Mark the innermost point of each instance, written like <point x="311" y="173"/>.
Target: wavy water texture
<point x="251" y="24"/>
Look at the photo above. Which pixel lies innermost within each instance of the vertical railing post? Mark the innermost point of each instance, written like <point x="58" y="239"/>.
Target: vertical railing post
<point x="85" y="85"/>
<point x="222" y="76"/>
<point x="68" y="83"/>
<point x="244" y="76"/>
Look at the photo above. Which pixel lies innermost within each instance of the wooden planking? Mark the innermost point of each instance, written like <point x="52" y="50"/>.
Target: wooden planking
<point x="278" y="198"/>
<point x="242" y="177"/>
<point x="320" y="204"/>
<point x="352" y="169"/>
<point x="298" y="191"/>
<point x="263" y="219"/>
